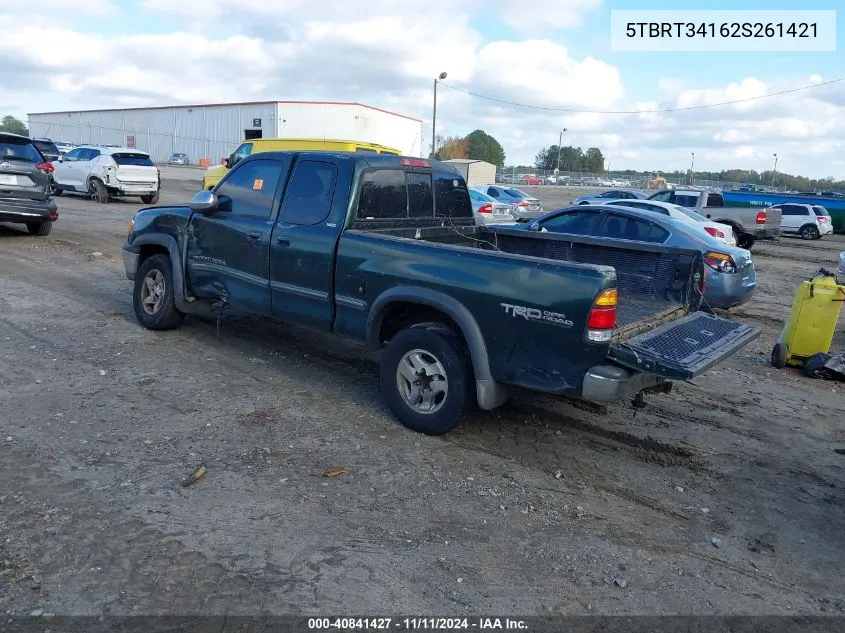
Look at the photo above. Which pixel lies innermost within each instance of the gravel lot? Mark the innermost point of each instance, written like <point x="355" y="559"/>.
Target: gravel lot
<point x="723" y="497"/>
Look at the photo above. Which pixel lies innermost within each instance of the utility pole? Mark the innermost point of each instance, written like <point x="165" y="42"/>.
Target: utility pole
<point x="775" y="170"/>
<point x="559" y="143"/>
<point x="434" y="117"/>
<point x="691" y="168"/>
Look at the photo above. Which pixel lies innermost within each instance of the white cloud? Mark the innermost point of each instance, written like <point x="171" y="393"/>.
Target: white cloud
<point x="219" y="50"/>
<point x="533" y="16"/>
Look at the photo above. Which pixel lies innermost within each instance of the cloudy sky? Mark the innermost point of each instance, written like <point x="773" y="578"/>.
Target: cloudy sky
<point x="78" y="54"/>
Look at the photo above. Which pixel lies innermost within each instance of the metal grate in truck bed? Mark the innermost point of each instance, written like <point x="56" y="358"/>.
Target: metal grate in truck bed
<point x="691" y="343"/>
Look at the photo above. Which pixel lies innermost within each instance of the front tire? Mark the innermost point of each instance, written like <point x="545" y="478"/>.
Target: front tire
<point x="98" y="192"/>
<point x="424" y="374"/>
<point x="152" y="297"/>
<point x="40" y="228"/>
<point x="150" y="198"/>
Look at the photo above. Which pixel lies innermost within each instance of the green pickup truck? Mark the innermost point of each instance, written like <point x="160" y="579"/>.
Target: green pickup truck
<point x="385" y="249"/>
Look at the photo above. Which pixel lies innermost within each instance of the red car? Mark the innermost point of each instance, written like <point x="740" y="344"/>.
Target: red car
<point x="528" y="179"/>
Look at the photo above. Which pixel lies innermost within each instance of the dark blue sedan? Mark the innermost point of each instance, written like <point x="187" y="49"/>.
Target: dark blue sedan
<point x="611" y="194"/>
<point x="731" y="277"/>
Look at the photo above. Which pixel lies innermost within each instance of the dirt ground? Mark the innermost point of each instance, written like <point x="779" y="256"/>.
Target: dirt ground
<point x="723" y="497"/>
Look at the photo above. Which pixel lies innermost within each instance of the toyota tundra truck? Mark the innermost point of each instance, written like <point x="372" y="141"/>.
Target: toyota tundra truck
<point x="385" y="249"/>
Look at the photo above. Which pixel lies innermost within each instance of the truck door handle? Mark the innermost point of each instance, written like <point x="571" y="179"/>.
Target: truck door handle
<point x="282" y="241"/>
<point x="255" y="236"/>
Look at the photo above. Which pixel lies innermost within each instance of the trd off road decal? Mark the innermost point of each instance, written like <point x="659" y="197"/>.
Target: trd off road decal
<point x="535" y="314"/>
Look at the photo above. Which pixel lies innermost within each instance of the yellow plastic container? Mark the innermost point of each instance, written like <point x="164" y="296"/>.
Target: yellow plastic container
<point x="812" y="321"/>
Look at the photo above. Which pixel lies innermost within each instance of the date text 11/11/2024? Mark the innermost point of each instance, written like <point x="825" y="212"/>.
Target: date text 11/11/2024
<point x="415" y="624"/>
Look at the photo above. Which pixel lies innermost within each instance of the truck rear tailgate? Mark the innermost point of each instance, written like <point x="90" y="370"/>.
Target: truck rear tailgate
<point x="684" y="348"/>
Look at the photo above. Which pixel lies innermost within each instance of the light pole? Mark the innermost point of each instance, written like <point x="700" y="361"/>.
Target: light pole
<point x="434" y="116"/>
<point x="775" y="170"/>
<point x="691" y="167"/>
<point x="559" y="143"/>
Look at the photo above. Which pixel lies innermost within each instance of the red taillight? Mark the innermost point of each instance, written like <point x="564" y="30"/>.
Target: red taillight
<point x="54" y="216"/>
<point x="714" y="231"/>
<point x="761" y="217"/>
<point x="414" y="162"/>
<point x="486" y="208"/>
<point x="522" y="204"/>
<point x="824" y="218"/>
<point x="45" y="167"/>
<point x="602" y="317"/>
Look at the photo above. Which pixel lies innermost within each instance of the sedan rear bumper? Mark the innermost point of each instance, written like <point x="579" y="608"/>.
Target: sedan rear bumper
<point x="728" y="290"/>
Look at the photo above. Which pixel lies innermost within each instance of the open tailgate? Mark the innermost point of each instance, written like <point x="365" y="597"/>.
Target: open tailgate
<point x="683" y="349"/>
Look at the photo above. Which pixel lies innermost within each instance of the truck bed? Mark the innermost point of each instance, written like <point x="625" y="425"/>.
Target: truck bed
<point x="652" y="280"/>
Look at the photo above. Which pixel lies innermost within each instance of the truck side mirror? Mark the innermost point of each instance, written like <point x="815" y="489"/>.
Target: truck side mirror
<point x="204" y="201"/>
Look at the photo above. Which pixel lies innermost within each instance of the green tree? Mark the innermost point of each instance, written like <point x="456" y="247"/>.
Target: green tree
<point x="14" y="126"/>
<point x="482" y="146"/>
<point x="594" y="161"/>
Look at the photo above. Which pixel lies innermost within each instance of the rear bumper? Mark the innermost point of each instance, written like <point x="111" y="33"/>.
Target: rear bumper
<point x="611" y="383"/>
<point x="825" y="228"/>
<point x="27" y="210"/>
<point x="132" y="189"/>
<point x="130" y="262"/>
<point x="729" y="290"/>
<point x="525" y="216"/>
<point x="766" y="234"/>
<point x="489" y="219"/>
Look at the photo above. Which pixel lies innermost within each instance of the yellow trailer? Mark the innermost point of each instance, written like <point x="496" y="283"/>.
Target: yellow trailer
<point x="812" y="321"/>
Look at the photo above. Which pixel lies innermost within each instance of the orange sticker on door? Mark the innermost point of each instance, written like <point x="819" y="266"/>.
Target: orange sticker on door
<point x="258" y="183"/>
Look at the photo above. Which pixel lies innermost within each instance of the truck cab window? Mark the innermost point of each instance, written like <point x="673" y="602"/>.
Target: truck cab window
<point x="251" y="187"/>
<point x="452" y="197"/>
<point x="308" y="200"/>
<point x="420" y="198"/>
<point x="715" y="200"/>
<point x="383" y="195"/>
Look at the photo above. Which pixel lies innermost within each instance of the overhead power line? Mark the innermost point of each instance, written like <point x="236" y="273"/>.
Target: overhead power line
<point x="658" y="111"/>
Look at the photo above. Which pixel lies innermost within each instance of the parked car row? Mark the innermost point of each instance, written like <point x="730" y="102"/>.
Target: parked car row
<point x="33" y="171"/>
<point x="523" y="206"/>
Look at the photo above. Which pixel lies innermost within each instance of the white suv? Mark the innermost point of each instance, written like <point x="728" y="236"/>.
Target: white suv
<point x="810" y="221"/>
<point x="105" y="172"/>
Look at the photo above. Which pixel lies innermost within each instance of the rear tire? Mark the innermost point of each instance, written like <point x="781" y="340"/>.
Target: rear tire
<point x="98" y="191"/>
<point x="53" y="189"/>
<point x="424" y="374"/>
<point x="152" y="296"/>
<point x="150" y="199"/>
<point x="809" y="232"/>
<point x="744" y="240"/>
<point x="40" y="228"/>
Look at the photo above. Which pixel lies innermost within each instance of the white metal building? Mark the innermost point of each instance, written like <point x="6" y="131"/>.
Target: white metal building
<point x="475" y="172"/>
<point x="213" y="131"/>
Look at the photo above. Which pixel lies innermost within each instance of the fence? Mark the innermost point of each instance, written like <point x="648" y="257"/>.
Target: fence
<point x="515" y="175"/>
